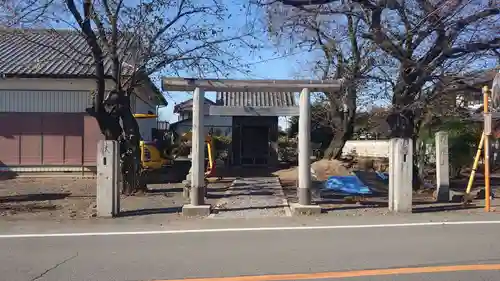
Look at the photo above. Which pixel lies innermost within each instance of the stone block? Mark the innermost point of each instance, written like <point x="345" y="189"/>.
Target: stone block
<point x="189" y="210"/>
<point x="298" y="209"/>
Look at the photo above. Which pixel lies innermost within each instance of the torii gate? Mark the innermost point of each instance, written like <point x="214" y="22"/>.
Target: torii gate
<point x="197" y="204"/>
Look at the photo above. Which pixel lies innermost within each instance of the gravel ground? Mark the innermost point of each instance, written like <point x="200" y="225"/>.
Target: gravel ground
<point x="252" y="198"/>
<point x="69" y="199"/>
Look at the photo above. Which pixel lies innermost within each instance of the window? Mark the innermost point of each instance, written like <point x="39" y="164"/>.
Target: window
<point x="185" y="115"/>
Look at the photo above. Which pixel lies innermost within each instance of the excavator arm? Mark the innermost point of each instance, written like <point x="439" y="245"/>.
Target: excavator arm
<point x="210" y="151"/>
<point x="154" y="157"/>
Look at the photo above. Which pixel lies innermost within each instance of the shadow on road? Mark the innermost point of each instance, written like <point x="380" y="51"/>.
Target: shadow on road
<point x="441" y="208"/>
<point x="152" y="211"/>
<point x="41" y="197"/>
<point x="32" y="207"/>
<point x="33" y="197"/>
<point x="164" y="190"/>
<point x="216" y="211"/>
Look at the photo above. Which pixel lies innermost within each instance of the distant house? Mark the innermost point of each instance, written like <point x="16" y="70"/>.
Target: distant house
<point x="46" y="80"/>
<point x="217" y="125"/>
<point x="468" y="91"/>
<point x="469" y="96"/>
<point x="254" y="136"/>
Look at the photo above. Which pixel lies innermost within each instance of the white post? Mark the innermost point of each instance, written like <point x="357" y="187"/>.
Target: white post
<point x="198" y="150"/>
<point x="400" y="175"/>
<point x="304" y="187"/>
<point x="442" y="167"/>
<point x="108" y="178"/>
<point x="392" y="175"/>
<point x="304" y="206"/>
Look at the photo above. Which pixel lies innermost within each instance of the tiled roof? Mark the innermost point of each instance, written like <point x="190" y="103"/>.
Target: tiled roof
<point x="188" y="104"/>
<point x="43" y="52"/>
<point x="261" y="99"/>
<point x="471" y="81"/>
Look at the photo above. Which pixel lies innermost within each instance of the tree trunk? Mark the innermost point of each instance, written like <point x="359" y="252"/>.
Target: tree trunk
<point x="334" y="150"/>
<point x="347" y="117"/>
<point x="131" y="157"/>
<point x="416" y="179"/>
<point x="403" y="122"/>
<point x="421" y="158"/>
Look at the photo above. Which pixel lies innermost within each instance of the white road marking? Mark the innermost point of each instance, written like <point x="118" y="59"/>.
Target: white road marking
<point x="256" y="229"/>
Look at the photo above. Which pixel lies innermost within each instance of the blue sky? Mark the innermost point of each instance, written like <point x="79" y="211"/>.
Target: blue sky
<point x="265" y="63"/>
<point x="277" y="68"/>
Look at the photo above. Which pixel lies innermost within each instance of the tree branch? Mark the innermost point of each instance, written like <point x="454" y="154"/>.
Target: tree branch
<point x="91" y="39"/>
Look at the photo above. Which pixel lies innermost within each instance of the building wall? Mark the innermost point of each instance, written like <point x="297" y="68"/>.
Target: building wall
<point x="44" y="101"/>
<point x="56" y="130"/>
<point x="222" y="124"/>
<point x="145" y="125"/>
<point x="268" y="122"/>
<point x="49" y="138"/>
<point x="46" y="130"/>
<point x="367" y="148"/>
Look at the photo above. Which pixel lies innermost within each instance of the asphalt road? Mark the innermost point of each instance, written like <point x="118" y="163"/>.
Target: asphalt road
<point x="307" y="252"/>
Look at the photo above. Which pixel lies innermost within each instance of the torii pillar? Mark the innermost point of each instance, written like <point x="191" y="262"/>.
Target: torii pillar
<point x="304" y="206"/>
<point x="197" y="206"/>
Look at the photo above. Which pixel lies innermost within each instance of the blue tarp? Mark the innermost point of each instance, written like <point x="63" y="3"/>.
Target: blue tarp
<point x="383" y="176"/>
<point x="351" y="185"/>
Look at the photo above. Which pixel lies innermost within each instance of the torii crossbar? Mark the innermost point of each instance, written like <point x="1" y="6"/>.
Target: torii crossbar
<point x="199" y="86"/>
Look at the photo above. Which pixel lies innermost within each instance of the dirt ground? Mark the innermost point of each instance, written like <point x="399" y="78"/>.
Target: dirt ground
<point x="423" y="200"/>
<point x="67" y="198"/>
<point x="72" y="199"/>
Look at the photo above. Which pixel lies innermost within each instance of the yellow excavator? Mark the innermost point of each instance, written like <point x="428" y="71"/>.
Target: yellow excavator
<point x="154" y="158"/>
<point x="209" y="159"/>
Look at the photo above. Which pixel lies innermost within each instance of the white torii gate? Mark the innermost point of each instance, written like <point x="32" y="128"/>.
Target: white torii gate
<point x="197" y="204"/>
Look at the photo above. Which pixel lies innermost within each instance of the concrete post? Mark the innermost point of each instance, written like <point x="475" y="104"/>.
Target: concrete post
<point x="198" y="150"/>
<point x="188" y="180"/>
<point x="108" y="178"/>
<point x="197" y="192"/>
<point x="304" y="188"/>
<point x="400" y="175"/>
<point x="442" y="167"/>
<point x="392" y="164"/>
<point x="304" y="178"/>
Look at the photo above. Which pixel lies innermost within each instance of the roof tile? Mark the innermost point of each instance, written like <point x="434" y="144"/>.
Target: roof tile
<point x="45" y="52"/>
<point x="256" y="99"/>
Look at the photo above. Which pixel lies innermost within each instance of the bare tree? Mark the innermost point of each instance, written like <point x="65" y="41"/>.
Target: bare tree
<point x="427" y="38"/>
<point x="26" y="12"/>
<point x="343" y="54"/>
<point x="137" y="39"/>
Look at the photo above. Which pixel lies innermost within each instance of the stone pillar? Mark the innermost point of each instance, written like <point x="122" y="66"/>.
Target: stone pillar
<point x="197" y="205"/>
<point x="442" y="167"/>
<point x="495" y="152"/>
<point x="108" y="178"/>
<point x="304" y="146"/>
<point x="187" y="181"/>
<point x="400" y="175"/>
<point x="304" y="183"/>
